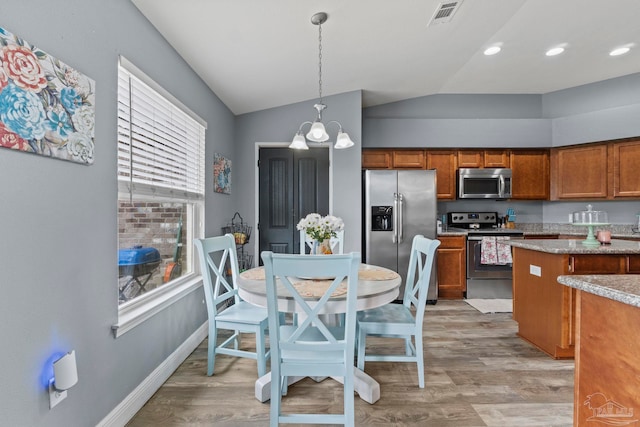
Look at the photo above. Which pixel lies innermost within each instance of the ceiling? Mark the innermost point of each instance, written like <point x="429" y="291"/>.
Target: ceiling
<point x="258" y="54"/>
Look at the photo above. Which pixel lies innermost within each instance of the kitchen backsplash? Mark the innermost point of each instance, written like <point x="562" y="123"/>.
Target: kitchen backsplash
<point x="546" y="212"/>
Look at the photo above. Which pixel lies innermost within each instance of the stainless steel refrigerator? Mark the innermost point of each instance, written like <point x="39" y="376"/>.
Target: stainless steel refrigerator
<point x="398" y="204"/>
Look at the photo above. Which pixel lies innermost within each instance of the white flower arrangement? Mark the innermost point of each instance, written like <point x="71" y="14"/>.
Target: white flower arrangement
<point x="320" y="227"/>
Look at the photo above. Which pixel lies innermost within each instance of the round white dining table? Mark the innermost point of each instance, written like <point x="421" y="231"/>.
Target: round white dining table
<point x="376" y="286"/>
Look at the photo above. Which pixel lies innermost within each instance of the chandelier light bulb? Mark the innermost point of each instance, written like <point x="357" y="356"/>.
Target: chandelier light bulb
<point x="317" y="133"/>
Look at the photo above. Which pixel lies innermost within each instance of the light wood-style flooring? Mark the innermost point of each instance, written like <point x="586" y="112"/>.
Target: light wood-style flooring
<point x="478" y="373"/>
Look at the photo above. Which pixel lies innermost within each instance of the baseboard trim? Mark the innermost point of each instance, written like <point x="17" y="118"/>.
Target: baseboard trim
<point x="126" y="410"/>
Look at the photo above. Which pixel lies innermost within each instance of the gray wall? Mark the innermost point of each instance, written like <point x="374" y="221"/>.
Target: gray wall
<point x="595" y="112"/>
<point x="280" y="125"/>
<point x="58" y="255"/>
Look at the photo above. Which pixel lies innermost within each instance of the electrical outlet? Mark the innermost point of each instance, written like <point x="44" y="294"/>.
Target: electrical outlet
<point x="55" y="396"/>
<point x="535" y="270"/>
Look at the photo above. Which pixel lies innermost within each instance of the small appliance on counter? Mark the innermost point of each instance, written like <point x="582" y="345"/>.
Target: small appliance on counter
<point x="590" y="219"/>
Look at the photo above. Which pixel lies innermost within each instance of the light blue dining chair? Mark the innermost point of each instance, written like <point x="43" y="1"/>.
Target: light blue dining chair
<point x="225" y="308"/>
<point x="336" y="243"/>
<point x="311" y="347"/>
<point x="397" y="320"/>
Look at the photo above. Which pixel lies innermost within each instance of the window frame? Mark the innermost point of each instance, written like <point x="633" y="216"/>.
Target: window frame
<point x="139" y="309"/>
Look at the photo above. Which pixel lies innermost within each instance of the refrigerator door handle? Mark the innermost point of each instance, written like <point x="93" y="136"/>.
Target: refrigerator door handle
<point x="400" y="218"/>
<point x="394" y="239"/>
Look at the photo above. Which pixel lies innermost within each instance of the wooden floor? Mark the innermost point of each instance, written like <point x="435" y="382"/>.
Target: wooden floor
<point x="478" y="373"/>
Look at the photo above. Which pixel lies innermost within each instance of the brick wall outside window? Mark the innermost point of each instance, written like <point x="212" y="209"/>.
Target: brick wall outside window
<point x="151" y="224"/>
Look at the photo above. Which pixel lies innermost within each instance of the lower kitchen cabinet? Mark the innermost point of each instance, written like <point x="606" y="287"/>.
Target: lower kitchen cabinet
<point x="544" y="309"/>
<point x="607" y="364"/>
<point x="452" y="267"/>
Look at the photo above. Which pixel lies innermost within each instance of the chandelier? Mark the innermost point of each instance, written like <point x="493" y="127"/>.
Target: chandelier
<point x="318" y="132"/>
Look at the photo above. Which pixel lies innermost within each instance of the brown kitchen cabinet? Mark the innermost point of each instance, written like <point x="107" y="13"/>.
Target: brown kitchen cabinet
<point x="408" y="159"/>
<point x="451" y="267"/>
<point x="624" y="160"/>
<point x="483" y="158"/>
<point x="470" y="158"/>
<point x="530" y="174"/>
<point x="579" y="172"/>
<point x="444" y="162"/>
<point x="376" y="159"/>
<point x="607" y="364"/>
<point x="545" y="309"/>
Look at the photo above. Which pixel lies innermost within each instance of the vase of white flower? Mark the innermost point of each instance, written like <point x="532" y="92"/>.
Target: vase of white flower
<point x="321" y="230"/>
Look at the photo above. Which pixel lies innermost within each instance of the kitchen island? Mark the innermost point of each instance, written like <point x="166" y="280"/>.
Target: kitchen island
<point x="544" y="309"/>
<point x="607" y="346"/>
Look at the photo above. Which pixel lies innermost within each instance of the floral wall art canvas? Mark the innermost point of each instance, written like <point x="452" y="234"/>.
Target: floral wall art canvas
<point x="221" y="174"/>
<point x="46" y="106"/>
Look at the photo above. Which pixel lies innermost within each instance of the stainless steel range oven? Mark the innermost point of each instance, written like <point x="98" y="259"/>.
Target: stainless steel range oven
<point x="488" y="274"/>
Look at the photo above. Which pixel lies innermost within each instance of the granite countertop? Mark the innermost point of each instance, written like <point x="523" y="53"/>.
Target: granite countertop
<point x="570" y="246"/>
<point x="538" y="229"/>
<point x="624" y="288"/>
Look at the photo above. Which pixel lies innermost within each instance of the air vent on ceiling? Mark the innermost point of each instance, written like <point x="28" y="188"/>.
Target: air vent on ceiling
<point x="444" y="12"/>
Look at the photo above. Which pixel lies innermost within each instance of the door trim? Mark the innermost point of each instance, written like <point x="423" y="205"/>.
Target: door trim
<point x="256" y="190"/>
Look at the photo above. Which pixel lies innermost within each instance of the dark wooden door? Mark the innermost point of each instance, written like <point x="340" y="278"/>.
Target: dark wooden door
<point x="292" y="184"/>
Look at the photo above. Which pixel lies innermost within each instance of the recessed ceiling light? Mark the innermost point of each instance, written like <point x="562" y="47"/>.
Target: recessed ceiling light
<point x="619" y="51"/>
<point x="492" y="50"/>
<point x="555" y="51"/>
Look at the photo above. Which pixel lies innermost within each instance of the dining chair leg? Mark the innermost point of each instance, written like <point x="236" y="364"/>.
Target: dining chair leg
<point x="261" y="352"/>
<point x="361" y="339"/>
<point x="211" y="353"/>
<point x="349" y="404"/>
<point x="407" y="346"/>
<point x="236" y="341"/>
<point x="420" y="360"/>
<point x="276" y="396"/>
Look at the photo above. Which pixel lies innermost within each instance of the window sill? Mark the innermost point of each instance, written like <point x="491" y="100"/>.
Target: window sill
<point x="146" y="306"/>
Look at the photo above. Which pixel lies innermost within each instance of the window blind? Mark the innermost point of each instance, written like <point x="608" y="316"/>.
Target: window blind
<point x="160" y="147"/>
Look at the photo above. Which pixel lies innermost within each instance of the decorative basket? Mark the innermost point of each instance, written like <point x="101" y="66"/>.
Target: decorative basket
<point x="241" y="232"/>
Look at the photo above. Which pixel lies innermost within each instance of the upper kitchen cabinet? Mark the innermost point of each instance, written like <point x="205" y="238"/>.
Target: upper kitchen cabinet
<point x="530" y="174"/>
<point x="408" y="159"/>
<point x="483" y="158"/>
<point x="579" y="172"/>
<point x="470" y="159"/>
<point x="376" y="159"/>
<point x="393" y="159"/>
<point x="444" y="162"/>
<point x="624" y="161"/>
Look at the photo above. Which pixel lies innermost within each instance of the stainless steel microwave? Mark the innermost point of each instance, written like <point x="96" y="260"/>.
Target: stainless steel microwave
<point x="476" y="183"/>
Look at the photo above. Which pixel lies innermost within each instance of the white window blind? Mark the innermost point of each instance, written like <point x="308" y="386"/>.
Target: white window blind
<point x="160" y="146"/>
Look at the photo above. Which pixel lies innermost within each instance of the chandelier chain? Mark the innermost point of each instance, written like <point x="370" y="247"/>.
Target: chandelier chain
<point x="320" y="62"/>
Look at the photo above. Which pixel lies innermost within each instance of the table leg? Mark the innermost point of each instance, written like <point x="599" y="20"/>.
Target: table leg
<point x="263" y="386"/>
<point x="367" y="388"/>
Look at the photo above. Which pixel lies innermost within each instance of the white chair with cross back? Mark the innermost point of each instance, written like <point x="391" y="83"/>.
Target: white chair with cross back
<point x="397" y="320"/>
<point x="225" y="308"/>
<point x="311" y="347"/>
